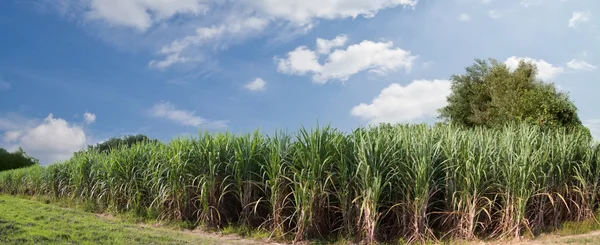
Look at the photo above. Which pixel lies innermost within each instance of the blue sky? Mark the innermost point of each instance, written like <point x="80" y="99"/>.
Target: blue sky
<point x="77" y="72"/>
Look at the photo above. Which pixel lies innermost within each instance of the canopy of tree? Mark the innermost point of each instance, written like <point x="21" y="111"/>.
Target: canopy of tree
<point x="490" y="94"/>
<point x="123" y="141"/>
<point x="17" y="159"/>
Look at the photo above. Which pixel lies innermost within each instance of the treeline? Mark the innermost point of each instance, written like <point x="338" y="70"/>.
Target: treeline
<point x="119" y="142"/>
<point x="15" y="160"/>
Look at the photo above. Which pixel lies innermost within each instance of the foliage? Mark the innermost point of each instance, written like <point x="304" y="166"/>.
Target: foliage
<point x="113" y="143"/>
<point x="15" y="160"/>
<point x="492" y="95"/>
<point x="408" y="182"/>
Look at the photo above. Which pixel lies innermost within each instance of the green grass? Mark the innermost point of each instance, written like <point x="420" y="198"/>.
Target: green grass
<point x="245" y="231"/>
<point x="31" y="222"/>
<point x="576" y="228"/>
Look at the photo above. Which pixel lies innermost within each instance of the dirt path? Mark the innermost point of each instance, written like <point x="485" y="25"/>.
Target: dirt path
<point x="199" y="234"/>
<point x="231" y="239"/>
<point x="587" y="238"/>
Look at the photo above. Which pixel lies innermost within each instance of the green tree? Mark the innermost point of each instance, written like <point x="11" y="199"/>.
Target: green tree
<point x="14" y="160"/>
<point x="123" y="141"/>
<point x="490" y="94"/>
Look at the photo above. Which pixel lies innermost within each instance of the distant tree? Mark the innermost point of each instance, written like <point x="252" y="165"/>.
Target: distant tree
<point x="14" y="160"/>
<point x="492" y="95"/>
<point x="123" y="141"/>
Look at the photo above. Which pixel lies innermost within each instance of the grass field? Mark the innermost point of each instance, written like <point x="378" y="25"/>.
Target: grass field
<point x="32" y="222"/>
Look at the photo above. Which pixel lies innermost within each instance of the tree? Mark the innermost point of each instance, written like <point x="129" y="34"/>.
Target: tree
<point x="15" y="160"/>
<point x="492" y="95"/>
<point x="123" y="141"/>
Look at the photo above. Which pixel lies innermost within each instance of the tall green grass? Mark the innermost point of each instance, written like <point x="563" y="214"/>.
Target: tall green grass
<point x="410" y="182"/>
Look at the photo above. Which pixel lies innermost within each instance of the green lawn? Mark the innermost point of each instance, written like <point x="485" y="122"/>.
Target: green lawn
<point x="30" y="222"/>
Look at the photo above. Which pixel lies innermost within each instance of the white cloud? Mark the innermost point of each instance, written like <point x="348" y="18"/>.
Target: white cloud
<point x="494" y="14"/>
<point x="341" y="64"/>
<point x="396" y="103"/>
<point x="579" y="18"/>
<point x="303" y="12"/>
<point x="170" y="60"/>
<point x="141" y="14"/>
<point x="324" y="46"/>
<point x="546" y="71"/>
<point x="51" y="140"/>
<point x="464" y="17"/>
<point x="581" y="65"/>
<point x="299" y="62"/>
<point x="13" y="121"/>
<point x="257" y="85"/>
<point x="224" y="22"/>
<point x="187" y="118"/>
<point x="11" y="136"/>
<point x="207" y="35"/>
<point x="89" y="118"/>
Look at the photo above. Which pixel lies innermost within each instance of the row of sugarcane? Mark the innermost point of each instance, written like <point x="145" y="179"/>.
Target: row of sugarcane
<point x="410" y="182"/>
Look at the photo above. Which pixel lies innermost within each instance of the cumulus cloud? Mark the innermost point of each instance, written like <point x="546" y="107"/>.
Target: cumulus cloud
<point x="464" y="17"/>
<point x="50" y="140"/>
<point x="173" y="52"/>
<point x="12" y="136"/>
<point x="299" y="62"/>
<point x="89" y="118"/>
<point x="579" y="18"/>
<point x="341" y="64"/>
<point x="580" y="65"/>
<point x="546" y="71"/>
<point x="396" y="103"/>
<point x="324" y="46"/>
<point x="169" y="111"/>
<point x="257" y="85"/>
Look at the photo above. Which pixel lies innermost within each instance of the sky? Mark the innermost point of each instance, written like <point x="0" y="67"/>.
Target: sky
<point x="78" y="72"/>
